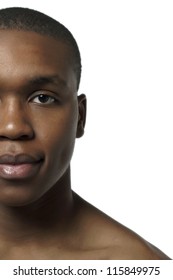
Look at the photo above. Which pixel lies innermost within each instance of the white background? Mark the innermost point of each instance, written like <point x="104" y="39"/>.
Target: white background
<point x="123" y="165"/>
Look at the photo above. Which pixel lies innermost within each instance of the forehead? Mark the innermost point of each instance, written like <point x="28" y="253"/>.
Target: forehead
<point x="25" y="54"/>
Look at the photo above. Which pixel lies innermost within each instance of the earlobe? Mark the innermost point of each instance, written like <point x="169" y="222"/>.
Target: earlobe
<point x="82" y="104"/>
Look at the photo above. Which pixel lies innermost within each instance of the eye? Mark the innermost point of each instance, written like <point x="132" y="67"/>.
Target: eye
<point x="44" y="99"/>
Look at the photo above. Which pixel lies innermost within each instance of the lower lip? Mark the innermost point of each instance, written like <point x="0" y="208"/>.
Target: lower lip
<point x="19" y="171"/>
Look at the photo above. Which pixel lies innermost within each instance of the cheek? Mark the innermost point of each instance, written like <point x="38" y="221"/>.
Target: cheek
<point x="57" y="137"/>
<point x="52" y="125"/>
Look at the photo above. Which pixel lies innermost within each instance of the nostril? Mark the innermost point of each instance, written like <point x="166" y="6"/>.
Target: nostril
<point x="3" y="138"/>
<point x="18" y="138"/>
<point x="16" y="133"/>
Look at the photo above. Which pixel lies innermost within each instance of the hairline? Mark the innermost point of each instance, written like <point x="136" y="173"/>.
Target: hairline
<point x="55" y="37"/>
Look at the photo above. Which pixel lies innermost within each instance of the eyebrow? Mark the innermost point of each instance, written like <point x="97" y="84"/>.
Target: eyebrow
<point x="50" y="79"/>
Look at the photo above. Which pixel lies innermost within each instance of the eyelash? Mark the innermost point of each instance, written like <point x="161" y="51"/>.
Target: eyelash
<point x="47" y="96"/>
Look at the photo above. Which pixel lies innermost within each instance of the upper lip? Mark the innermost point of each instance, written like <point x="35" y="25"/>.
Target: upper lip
<point x="19" y="159"/>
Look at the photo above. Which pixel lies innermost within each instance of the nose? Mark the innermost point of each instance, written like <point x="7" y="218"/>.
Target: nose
<point x="15" y="123"/>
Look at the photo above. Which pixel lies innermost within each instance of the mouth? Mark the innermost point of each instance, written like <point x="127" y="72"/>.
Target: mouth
<point x="20" y="166"/>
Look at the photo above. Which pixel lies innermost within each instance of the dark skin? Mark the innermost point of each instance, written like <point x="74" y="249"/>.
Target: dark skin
<point x="41" y="115"/>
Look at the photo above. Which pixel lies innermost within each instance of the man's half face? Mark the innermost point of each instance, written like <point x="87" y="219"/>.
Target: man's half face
<point x="38" y="114"/>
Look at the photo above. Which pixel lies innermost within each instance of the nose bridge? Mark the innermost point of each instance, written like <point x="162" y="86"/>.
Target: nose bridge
<point x="12" y="106"/>
<point x="14" y="121"/>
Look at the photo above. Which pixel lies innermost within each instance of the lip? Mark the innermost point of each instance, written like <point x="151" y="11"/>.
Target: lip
<point x="19" y="166"/>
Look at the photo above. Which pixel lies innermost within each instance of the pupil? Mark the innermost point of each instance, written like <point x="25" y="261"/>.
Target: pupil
<point x="43" y="98"/>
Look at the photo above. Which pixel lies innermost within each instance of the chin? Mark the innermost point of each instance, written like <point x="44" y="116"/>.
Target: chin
<point x="18" y="196"/>
<point x="17" y="202"/>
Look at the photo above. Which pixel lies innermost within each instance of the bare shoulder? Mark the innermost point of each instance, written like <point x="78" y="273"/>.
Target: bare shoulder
<point x="108" y="239"/>
<point x="131" y="246"/>
<point x="136" y="248"/>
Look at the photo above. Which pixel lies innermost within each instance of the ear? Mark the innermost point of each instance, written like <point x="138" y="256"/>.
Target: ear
<point x="82" y="104"/>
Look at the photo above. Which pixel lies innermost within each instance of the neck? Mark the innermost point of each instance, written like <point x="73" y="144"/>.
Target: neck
<point x="51" y="213"/>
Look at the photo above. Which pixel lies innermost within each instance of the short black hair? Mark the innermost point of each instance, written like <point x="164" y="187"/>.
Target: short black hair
<point x="18" y="18"/>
